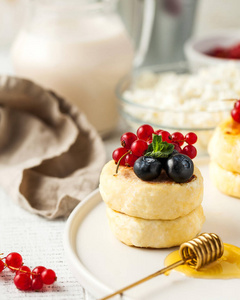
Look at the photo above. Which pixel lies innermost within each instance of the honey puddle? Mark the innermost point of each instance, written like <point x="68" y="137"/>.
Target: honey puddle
<point x="228" y="266"/>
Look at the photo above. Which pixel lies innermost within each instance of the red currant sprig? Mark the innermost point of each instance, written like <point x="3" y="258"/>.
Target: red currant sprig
<point x="133" y="146"/>
<point x="25" y="279"/>
<point x="235" y="112"/>
<point x="178" y="139"/>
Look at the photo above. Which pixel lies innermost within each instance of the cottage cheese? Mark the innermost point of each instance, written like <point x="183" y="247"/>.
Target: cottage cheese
<point x="190" y="101"/>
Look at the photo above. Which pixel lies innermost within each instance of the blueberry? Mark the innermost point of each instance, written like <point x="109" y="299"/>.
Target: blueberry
<point x="174" y="152"/>
<point x="147" y="168"/>
<point x="179" y="167"/>
<point x="164" y="160"/>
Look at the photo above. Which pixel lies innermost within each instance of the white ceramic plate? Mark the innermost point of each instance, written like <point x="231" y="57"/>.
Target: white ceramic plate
<point x="102" y="264"/>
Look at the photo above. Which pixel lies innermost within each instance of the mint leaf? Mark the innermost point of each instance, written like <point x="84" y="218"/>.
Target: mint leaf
<point x="158" y="148"/>
<point x="157" y="142"/>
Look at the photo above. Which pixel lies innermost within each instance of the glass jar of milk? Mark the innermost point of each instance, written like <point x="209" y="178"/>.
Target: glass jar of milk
<point x="80" y="49"/>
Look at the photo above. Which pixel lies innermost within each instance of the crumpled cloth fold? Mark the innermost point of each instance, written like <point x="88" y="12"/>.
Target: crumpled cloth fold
<point x="50" y="156"/>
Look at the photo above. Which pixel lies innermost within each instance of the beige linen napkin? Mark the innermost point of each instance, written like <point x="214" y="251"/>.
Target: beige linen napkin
<point x="50" y="156"/>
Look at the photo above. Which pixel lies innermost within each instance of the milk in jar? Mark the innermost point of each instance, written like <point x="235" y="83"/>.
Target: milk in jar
<point x="80" y="53"/>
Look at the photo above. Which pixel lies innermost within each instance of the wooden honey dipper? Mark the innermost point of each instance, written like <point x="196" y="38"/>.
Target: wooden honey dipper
<point x="198" y="252"/>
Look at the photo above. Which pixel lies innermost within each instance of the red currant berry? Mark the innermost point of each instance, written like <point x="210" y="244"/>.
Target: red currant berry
<point x="234" y="52"/>
<point x="22" y="281"/>
<point x="1" y="266"/>
<point x="139" y="147"/>
<point x="237" y="105"/>
<point x="190" y="151"/>
<point x="130" y="159"/>
<point x="145" y="132"/>
<point x="166" y="136"/>
<point x="48" y="276"/>
<point x="14" y="260"/>
<point x="191" y="138"/>
<point x="127" y="139"/>
<point x="158" y="132"/>
<point x="38" y="271"/>
<point x="235" y="113"/>
<point x="177" y="147"/>
<point x="37" y="283"/>
<point x="25" y="270"/>
<point x="178" y="137"/>
<point x="118" y="153"/>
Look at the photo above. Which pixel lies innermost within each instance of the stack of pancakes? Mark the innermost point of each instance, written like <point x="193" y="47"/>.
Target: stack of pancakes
<point x="156" y="214"/>
<point x="224" y="151"/>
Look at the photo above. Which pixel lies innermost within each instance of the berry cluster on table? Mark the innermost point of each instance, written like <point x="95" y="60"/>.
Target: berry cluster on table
<point x="24" y="278"/>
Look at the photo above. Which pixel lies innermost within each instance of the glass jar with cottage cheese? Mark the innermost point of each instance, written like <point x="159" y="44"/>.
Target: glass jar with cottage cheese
<point x="171" y="98"/>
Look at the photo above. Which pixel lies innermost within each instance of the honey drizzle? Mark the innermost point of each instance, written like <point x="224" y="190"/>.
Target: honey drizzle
<point x="227" y="267"/>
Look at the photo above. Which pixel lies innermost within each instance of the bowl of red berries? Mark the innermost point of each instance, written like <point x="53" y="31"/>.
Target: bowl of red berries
<point x="220" y="47"/>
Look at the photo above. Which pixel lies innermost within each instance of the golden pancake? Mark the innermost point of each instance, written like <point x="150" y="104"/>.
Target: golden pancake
<point x="155" y="233"/>
<point x="224" y="146"/>
<point x="226" y="181"/>
<point x="161" y="198"/>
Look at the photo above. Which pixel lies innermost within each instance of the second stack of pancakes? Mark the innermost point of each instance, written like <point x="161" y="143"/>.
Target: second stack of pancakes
<point x="224" y="151"/>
